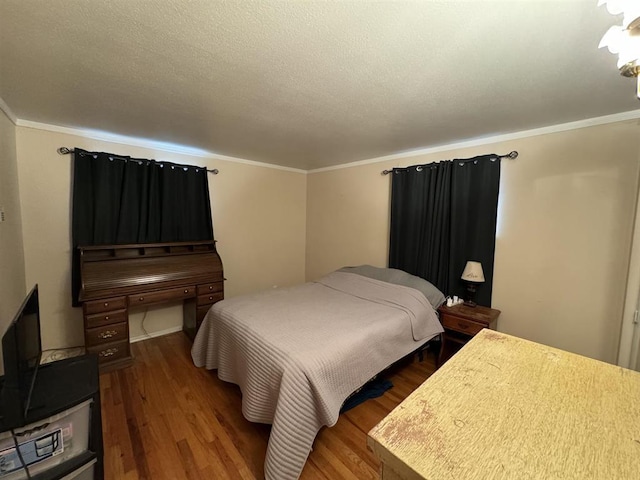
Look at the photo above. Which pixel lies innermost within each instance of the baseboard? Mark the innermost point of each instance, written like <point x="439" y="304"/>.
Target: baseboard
<point x="159" y="333"/>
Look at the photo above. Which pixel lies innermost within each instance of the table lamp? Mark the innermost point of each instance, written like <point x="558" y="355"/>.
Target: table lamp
<point x="473" y="276"/>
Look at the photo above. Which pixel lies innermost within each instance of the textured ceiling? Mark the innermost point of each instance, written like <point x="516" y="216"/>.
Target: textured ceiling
<point x="308" y="84"/>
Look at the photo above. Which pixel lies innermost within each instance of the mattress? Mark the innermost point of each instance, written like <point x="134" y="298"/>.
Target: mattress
<point x="297" y="353"/>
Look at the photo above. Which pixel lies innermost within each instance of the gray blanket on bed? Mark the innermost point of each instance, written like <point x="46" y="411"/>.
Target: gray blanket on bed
<point x="297" y="353"/>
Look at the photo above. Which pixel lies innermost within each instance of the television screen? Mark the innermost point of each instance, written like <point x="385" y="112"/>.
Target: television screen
<point x="29" y="346"/>
<point x="21" y="351"/>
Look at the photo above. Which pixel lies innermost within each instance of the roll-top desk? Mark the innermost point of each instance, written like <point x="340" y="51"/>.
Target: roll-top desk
<point x="115" y="278"/>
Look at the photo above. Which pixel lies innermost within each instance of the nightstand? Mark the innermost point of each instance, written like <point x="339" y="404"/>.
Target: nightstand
<point x="461" y="323"/>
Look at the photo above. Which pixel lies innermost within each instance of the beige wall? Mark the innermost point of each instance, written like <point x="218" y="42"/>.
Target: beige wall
<point x="12" y="276"/>
<point x="259" y="219"/>
<point x="566" y="213"/>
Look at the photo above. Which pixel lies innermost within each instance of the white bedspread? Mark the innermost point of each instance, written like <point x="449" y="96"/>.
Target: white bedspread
<point x="297" y="353"/>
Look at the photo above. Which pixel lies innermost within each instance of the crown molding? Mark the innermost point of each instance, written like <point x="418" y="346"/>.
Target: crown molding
<point x="151" y="144"/>
<point x="474" y="142"/>
<point x="194" y="152"/>
<point x="7" y="111"/>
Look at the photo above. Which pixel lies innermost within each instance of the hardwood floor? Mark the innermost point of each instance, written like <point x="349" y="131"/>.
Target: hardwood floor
<point x="163" y="418"/>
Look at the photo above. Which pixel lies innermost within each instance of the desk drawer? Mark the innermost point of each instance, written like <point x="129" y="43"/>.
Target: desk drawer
<point x="106" y="334"/>
<point x="461" y="325"/>
<point x="209" y="298"/>
<point x="210" y="288"/>
<point x="111" y="351"/>
<point x="106" y="318"/>
<point x="105" y="305"/>
<point x="162" y="296"/>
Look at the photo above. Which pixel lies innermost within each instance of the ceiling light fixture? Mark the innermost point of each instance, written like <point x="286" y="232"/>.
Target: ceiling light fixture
<point x="624" y="40"/>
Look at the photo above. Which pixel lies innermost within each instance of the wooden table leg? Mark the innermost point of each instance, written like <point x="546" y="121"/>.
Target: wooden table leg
<point x="440" y="358"/>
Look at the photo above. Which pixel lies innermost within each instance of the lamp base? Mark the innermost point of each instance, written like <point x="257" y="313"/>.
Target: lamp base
<point x="471" y="294"/>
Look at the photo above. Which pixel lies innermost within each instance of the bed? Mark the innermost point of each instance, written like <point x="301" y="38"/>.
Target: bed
<point x="297" y="353"/>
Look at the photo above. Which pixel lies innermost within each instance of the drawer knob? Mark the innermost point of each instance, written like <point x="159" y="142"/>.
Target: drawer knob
<point x="106" y="304"/>
<point x="186" y="291"/>
<point x="210" y="298"/>
<point x="106" y="317"/>
<point x="108" y="352"/>
<point x="108" y="334"/>
<point x="140" y="299"/>
<point x="210" y="287"/>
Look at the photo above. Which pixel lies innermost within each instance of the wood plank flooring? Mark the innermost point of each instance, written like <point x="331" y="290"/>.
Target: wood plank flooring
<point x="163" y="418"/>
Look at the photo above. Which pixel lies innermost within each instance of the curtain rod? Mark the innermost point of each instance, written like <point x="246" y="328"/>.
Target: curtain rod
<point x="66" y="151"/>
<point x="512" y="155"/>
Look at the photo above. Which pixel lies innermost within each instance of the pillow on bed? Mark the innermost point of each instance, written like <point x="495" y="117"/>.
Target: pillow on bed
<point x="400" y="277"/>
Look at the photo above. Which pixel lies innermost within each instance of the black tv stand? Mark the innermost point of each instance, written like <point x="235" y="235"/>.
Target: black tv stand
<point x="60" y="386"/>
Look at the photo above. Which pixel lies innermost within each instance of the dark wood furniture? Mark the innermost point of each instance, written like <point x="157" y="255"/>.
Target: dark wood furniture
<point x="115" y="278"/>
<point x="461" y="323"/>
<point x="59" y="387"/>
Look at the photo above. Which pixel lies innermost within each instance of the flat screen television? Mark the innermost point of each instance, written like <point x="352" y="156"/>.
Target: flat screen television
<point x="21" y="354"/>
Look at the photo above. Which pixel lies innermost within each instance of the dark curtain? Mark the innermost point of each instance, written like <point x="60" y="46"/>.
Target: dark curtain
<point x="442" y="215"/>
<point x="121" y="200"/>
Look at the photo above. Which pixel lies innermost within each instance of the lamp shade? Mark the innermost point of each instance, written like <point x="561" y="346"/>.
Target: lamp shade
<point x="630" y="9"/>
<point x="624" y="40"/>
<point x="473" y="272"/>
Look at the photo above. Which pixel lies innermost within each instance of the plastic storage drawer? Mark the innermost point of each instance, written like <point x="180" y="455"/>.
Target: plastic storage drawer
<point x="85" y="472"/>
<point x="46" y="443"/>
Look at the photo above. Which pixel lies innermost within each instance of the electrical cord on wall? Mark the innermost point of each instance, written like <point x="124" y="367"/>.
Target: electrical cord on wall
<point x="60" y="353"/>
<point x="64" y="348"/>
<point x="144" y="316"/>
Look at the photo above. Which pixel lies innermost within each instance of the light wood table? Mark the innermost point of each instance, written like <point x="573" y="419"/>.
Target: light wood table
<point x="507" y="408"/>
